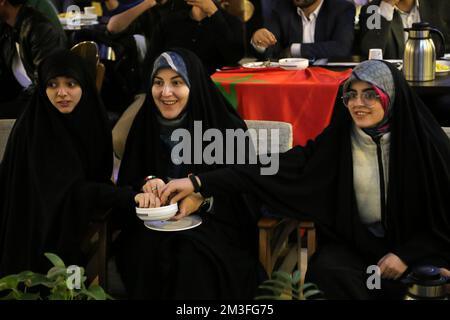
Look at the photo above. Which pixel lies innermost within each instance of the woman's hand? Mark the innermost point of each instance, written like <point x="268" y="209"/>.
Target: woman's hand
<point x="147" y="200"/>
<point x="189" y="205"/>
<point x="178" y="188"/>
<point x="153" y="186"/>
<point x="207" y="6"/>
<point x="391" y="266"/>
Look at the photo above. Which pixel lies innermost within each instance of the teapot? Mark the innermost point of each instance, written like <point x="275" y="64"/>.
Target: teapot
<point x="419" y="58"/>
<point x="426" y="283"/>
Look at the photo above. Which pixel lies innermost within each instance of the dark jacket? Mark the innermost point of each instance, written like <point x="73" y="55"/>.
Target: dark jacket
<point x="36" y="36"/>
<point x="216" y="40"/>
<point x="334" y="31"/>
<point x="390" y="37"/>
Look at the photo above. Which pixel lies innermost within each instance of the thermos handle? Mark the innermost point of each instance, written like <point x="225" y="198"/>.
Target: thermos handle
<point x="441" y="36"/>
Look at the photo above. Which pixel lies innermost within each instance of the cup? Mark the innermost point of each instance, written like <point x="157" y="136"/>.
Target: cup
<point x="376" y="54"/>
<point x="91" y="11"/>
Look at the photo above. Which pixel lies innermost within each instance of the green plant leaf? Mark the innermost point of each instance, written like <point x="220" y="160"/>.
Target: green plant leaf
<point x="270" y="298"/>
<point x="57" y="261"/>
<point x="57" y="295"/>
<point x="278" y="284"/>
<point x="309" y="286"/>
<point x="55" y="272"/>
<point x="39" y="279"/>
<point x="97" y="292"/>
<point x="12" y="295"/>
<point x="282" y="275"/>
<point x="30" y="296"/>
<point x="311" y="293"/>
<point x="296" y="277"/>
<point x="9" y="282"/>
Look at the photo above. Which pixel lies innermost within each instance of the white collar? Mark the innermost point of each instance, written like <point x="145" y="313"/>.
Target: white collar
<point x="364" y="138"/>
<point x="313" y="15"/>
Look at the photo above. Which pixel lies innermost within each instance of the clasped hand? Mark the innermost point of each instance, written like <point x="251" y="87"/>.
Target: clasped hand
<point x="154" y="196"/>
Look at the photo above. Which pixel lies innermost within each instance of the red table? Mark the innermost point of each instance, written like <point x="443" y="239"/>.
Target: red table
<point x="305" y="98"/>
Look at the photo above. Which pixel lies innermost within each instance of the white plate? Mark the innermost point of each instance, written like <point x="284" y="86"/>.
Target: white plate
<point x="186" y="223"/>
<point x="84" y="20"/>
<point x="162" y="217"/>
<point x="260" y="64"/>
<point x="446" y="56"/>
<point x="444" y="62"/>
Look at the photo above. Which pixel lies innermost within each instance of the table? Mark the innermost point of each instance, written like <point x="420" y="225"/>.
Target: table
<point x="305" y="98"/>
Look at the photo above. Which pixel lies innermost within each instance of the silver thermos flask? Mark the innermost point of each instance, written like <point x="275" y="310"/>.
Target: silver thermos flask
<point x="426" y="283"/>
<point x="419" y="59"/>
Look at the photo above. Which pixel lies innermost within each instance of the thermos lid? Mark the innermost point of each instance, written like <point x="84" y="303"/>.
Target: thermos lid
<point x="419" y="26"/>
<point x="426" y="276"/>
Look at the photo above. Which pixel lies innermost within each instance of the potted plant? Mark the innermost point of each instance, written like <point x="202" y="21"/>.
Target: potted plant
<point x="286" y="286"/>
<point x="60" y="283"/>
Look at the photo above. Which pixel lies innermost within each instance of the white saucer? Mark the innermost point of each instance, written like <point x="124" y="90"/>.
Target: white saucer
<point x="186" y="223"/>
<point x="261" y="64"/>
<point x="445" y="63"/>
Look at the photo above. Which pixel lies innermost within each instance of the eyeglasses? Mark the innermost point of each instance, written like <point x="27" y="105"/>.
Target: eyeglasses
<point x="369" y="97"/>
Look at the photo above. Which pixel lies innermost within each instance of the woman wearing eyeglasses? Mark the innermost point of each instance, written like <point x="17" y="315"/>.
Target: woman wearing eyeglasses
<point x="375" y="182"/>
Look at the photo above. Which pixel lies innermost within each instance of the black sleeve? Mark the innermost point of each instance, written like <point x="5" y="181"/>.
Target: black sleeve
<point x="273" y="24"/>
<point x="421" y="246"/>
<point x="227" y="34"/>
<point x="106" y="196"/>
<point x="238" y="179"/>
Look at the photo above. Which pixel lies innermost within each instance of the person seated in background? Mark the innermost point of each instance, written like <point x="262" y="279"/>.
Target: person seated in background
<point x="48" y="9"/>
<point x="375" y="183"/>
<point x="394" y="16"/>
<point x="203" y="27"/>
<point x="312" y="29"/>
<point x="217" y="259"/>
<point x="61" y="152"/>
<point x="27" y="38"/>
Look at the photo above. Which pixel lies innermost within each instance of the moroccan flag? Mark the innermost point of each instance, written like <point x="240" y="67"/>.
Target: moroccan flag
<point x="305" y="98"/>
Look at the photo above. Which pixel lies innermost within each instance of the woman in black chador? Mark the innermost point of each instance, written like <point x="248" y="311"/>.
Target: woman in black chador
<point x="376" y="183"/>
<point x="217" y="259"/>
<point x="56" y="169"/>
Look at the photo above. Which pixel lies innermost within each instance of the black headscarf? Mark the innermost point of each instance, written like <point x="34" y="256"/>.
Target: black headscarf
<point x="48" y="157"/>
<point x="316" y="182"/>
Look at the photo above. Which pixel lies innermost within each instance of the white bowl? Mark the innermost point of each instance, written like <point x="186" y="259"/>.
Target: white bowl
<point x="160" y="213"/>
<point x="293" y="63"/>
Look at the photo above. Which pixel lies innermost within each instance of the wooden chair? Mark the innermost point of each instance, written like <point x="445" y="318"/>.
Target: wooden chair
<point x="89" y="51"/>
<point x="280" y="239"/>
<point x="5" y="129"/>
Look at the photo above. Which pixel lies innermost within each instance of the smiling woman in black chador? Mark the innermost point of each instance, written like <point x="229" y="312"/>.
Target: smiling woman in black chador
<point x="217" y="259"/>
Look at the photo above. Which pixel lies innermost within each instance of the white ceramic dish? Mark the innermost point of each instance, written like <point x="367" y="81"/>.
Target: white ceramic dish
<point x="186" y="223"/>
<point x="294" y="63"/>
<point x="160" y="213"/>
